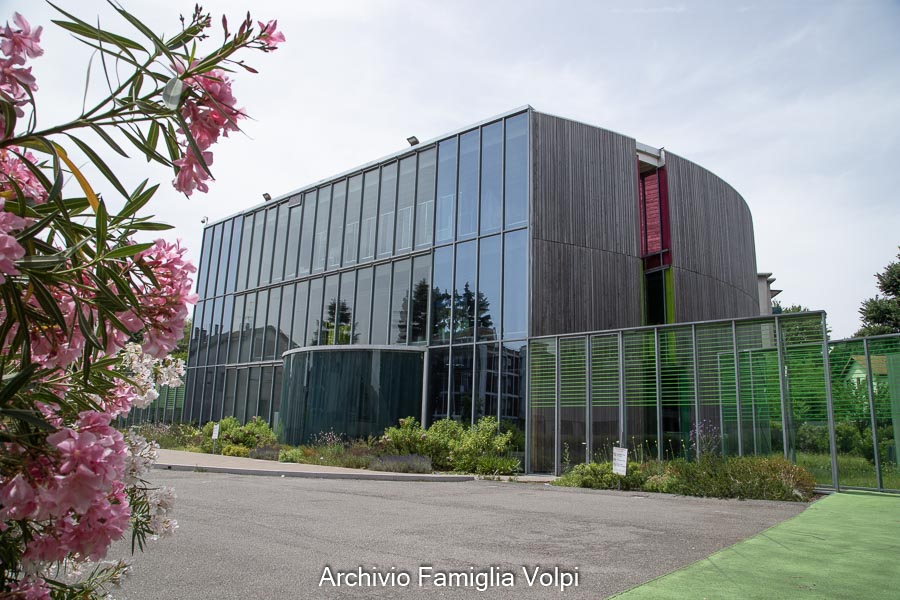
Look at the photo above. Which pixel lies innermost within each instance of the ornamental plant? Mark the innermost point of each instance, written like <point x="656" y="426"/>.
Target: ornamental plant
<point x="88" y="313"/>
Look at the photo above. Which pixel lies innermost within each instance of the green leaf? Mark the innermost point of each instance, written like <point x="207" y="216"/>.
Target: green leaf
<point x="146" y="226"/>
<point x="150" y="154"/>
<point x="32" y="417"/>
<point x="101" y="166"/>
<point x="108" y="139"/>
<point x="126" y="251"/>
<point x="157" y="43"/>
<point x="48" y="303"/>
<point x="13" y="384"/>
<point x="137" y="201"/>
<point x="8" y="113"/>
<point x="102" y="222"/>
<point x="153" y="135"/>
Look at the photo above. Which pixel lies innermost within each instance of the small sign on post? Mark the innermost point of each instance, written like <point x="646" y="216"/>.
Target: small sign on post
<point x="215" y="436"/>
<point x="620" y="461"/>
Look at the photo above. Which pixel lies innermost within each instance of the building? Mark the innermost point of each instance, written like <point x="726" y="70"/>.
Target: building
<point x="454" y="253"/>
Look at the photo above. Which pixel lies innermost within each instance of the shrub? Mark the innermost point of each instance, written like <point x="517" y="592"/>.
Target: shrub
<point x="768" y="478"/>
<point x="599" y="476"/>
<point x="440" y="441"/>
<point x="267" y="451"/>
<point x="255" y="433"/>
<point x="491" y="464"/>
<point x="235" y="450"/>
<point x="408" y="438"/>
<point x="479" y="441"/>
<point x="812" y="438"/>
<point x="402" y="463"/>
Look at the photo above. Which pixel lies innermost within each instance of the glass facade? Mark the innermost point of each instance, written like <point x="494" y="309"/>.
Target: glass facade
<point x="428" y="249"/>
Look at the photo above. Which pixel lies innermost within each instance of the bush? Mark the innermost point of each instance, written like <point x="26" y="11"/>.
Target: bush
<point x="440" y="441"/>
<point x="599" y="476"/>
<point x="768" y="478"/>
<point x="255" y="433"/>
<point x="402" y="463"/>
<point x="170" y="436"/>
<point x="812" y="438"/>
<point x="480" y="441"/>
<point x="235" y="450"/>
<point x="408" y="438"/>
<point x="491" y="464"/>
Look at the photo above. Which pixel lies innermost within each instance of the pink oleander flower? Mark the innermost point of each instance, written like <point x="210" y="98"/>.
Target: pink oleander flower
<point x="269" y="34"/>
<point x="22" y="41"/>
<point x="13" y="170"/>
<point x="165" y="308"/>
<point x="30" y="588"/>
<point x="10" y="249"/>
<point x="191" y="174"/>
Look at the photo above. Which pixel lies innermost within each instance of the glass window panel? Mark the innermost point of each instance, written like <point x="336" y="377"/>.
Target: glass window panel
<point x="214" y="260"/>
<point x="265" y="393"/>
<point x="381" y="304"/>
<point x="223" y="257"/>
<point x="276" y="394"/>
<point x="234" y="254"/>
<point x="295" y="216"/>
<point x="237" y="326"/>
<point x="406" y="203"/>
<point x="240" y="394"/>
<point x="491" y="178"/>
<point x="230" y="384"/>
<point x="387" y="204"/>
<point x="461" y="378"/>
<point x="464" y="293"/>
<point x="347" y="292"/>
<point x="363" y="311"/>
<point x="247" y="326"/>
<point x="516" y="171"/>
<point x="425" y="198"/>
<point x="244" y="258"/>
<point x="515" y="285"/>
<point x="467" y="206"/>
<point x="205" y="254"/>
<point x="259" y="324"/>
<point x="542" y="405"/>
<point x="215" y="338"/>
<point x="446" y="191"/>
<point x="259" y="224"/>
<point x="314" y="314"/>
<point x="487" y="380"/>
<point x="266" y="260"/>
<point x="438" y="385"/>
<point x="298" y="329"/>
<point x="421" y="296"/>
<point x="351" y="231"/>
<point x="605" y="396"/>
<point x="281" y="234"/>
<point x="322" y="213"/>
<point x="400" y="303"/>
<point x="512" y="399"/>
<point x="573" y="402"/>
<point x="253" y="393"/>
<point x="225" y="333"/>
<point x="442" y="286"/>
<point x="307" y="233"/>
<point x="369" y="215"/>
<point x="196" y="335"/>
<point x="271" y="329"/>
<point x="285" y="319"/>
<point x="490" y="263"/>
<point x="209" y="383"/>
<point x="331" y="316"/>
<point x="218" y="395"/>
<point x="336" y="233"/>
<point x="208" y="311"/>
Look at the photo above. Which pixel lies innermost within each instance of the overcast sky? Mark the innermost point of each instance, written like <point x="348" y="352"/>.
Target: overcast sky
<point x="795" y="104"/>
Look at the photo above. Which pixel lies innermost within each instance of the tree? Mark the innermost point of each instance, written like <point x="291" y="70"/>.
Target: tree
<point x="881" y="314"/>
<point x="87" y="314"/>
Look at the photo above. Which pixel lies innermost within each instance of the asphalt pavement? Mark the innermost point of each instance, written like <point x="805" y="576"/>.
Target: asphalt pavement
<point x="243" y="536"/>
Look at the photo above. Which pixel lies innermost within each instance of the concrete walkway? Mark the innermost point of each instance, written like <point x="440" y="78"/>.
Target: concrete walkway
<point x="177" y="460"/>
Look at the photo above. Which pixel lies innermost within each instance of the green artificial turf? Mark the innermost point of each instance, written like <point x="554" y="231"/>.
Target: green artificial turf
<point x="844" y="546"/>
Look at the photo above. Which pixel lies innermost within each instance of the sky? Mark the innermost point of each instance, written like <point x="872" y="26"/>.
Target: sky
<point x="795" y="104"/>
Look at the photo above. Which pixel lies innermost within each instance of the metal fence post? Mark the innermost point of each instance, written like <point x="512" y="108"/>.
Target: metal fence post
<point x="556" y="410"/>
<point x="829" y="406"/>
<point x="871" y="390"/>
<point x="696" y="388"/>
<point x="589" y="409"/>
<point x="623" y="429"/>
<point x="737" y="389"/>
<point x="659" y="426"/>
<point x="785" y="421"/>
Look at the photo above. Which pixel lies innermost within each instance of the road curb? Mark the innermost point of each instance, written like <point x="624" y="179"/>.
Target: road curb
<point x="370" y="476"/>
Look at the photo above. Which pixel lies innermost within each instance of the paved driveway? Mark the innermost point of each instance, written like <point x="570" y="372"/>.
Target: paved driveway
<point x="243" y="536"/>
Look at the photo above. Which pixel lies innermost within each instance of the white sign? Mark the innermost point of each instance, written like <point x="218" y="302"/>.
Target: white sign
<point x="215" y="431"/>
<point x="620" y="461"/>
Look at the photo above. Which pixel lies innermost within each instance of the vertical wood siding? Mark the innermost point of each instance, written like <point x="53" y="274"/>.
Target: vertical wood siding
<point x="713" y="251"/>
<point x="585" y="255"/>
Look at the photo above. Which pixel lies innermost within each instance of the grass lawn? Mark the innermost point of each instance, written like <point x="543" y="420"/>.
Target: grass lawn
<point x="844" y="546"/>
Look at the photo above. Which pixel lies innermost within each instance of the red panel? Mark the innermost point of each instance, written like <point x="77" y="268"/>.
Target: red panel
<point x="651" y="225"/>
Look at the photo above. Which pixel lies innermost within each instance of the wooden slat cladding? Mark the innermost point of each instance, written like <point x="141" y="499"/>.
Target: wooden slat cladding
<point x="585" y="255"/>
<point x="583" y="289"/>
<point x="713" y="251"/>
